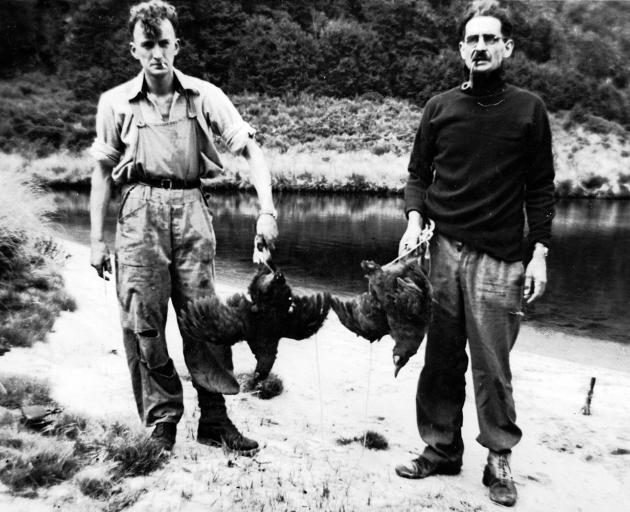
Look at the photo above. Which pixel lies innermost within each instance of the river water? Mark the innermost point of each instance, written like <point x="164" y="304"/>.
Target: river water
<point x="325" y="237"/>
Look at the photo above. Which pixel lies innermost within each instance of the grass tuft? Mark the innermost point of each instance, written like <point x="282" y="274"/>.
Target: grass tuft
<point x="96" y="482"/>
<point x="97" y="488"/>
<point x="265" y="389"/>
<point x="43" y="467"/>
<point x="370" y="439"/>
<point x="67" y="425"/>
<point x="122" y="499"/>
<point x="69" y="446"/>
<point x="24" y="391"/>
<point x="134" y="454"/>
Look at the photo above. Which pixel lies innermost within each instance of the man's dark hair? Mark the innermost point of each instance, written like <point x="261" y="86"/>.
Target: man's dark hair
<point x="485" y="9"/>
<point x="150" y="14"/>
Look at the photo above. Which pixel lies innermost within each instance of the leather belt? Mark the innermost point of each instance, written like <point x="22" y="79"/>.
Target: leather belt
<point x="170" y="183"/>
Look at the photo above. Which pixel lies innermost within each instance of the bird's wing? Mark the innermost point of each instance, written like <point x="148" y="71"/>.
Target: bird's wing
<point x="306" y="316"/>
<point x="408" y="301"/>
<point x="362" y="315"/>
<point x="209" y="320"/>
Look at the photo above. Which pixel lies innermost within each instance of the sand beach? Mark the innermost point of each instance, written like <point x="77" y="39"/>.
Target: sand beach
<point x="337" y="385"/>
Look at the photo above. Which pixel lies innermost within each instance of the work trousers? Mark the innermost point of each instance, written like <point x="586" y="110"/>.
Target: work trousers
<point x="165" y="248"/>
<point x="476" y="298"/>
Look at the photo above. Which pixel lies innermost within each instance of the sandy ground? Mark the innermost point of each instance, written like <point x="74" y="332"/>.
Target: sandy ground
<point x="337" y="385"/>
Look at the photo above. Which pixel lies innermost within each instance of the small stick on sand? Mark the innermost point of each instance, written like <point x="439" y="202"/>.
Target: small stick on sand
<point x="586" y="410"/>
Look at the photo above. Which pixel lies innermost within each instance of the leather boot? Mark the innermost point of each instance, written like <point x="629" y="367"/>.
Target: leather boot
<point x="422" y="467"/>
<point x="216" y="428"/>
<point x="164" y="434"/>
<point x="497" y="476"/>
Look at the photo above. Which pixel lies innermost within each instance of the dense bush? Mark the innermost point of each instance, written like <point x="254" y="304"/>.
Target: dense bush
<point x="572" y="53"/>
<point x="31" y="291"/>
<point x="277" y="56"/>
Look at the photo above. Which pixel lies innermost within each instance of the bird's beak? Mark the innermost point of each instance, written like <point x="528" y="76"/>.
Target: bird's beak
<point x="265" y="353"/>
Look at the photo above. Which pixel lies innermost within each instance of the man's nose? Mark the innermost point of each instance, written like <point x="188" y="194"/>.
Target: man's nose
<point x="156" y="53"/>
<point x="481" y="43"/>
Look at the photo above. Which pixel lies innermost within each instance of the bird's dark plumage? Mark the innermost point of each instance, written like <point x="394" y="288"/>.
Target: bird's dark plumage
<point x="272" y="313"/>
<point x="363" y="316"/>
<point x="398" y="303"/>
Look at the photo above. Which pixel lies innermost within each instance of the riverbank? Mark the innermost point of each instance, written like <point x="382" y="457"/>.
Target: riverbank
<point x="338" y="386"/>
<point x="361" y="145"/>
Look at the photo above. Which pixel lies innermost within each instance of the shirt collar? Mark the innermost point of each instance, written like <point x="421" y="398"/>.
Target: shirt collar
<point x="183" y="83"/>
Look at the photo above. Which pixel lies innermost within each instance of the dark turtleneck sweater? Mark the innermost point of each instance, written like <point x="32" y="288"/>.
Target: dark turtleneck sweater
<point x="479" y="156"/>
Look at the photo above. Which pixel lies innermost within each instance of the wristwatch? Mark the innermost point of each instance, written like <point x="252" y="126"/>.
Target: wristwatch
<point x="273" y="212"/>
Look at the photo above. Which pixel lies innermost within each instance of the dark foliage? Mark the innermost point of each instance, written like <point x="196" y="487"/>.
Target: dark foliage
<point x="572" y="53"/>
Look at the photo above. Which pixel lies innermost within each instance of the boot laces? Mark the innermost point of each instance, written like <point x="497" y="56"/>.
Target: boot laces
<point x="503" y="468"/>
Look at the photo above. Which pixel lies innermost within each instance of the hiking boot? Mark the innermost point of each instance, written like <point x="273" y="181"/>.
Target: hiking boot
<point x="422" y="467"/>
<point x="164" y="434"/>
<point x="497" y="476"/>
<point x="226" y="434"/>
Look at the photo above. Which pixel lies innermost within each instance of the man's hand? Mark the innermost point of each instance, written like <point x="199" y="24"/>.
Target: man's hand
<point x="100" y="260"/>
<point x="266" y="236"/>
<point x="267" y="227"/>
<point x="411" y="236"/>
<point x="536" y="275"/>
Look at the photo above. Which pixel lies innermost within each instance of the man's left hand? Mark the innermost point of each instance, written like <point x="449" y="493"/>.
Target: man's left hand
<point x="535" y="278"/>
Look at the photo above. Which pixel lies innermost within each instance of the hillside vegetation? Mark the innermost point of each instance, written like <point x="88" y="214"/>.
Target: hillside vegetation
<point x="316" y="143"/>
<point x="31" y="288"/>
<point x="574" y="53"/>
<point x="335" y="87"/>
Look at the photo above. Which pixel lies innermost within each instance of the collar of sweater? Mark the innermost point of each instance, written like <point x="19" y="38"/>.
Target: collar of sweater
<point x="486" y="84"/>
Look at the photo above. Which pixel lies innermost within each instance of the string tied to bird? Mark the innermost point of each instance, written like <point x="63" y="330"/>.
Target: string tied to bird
<point x="422" y="246"/>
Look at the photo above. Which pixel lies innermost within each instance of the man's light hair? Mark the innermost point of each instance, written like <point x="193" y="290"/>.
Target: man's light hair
<point x="150" y="14"/>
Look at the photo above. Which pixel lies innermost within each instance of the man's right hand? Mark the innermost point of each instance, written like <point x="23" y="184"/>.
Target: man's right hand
<point x="411" y="236"/>
<point x="100" y="259"/>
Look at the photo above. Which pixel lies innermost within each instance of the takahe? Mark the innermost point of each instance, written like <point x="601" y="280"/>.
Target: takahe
<point x="272" y="313"/>
<point x="398" y="303"/>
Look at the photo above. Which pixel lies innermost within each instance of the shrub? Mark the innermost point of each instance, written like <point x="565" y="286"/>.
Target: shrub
<point x="24" y="391"/>
<point x="42" y="467"/>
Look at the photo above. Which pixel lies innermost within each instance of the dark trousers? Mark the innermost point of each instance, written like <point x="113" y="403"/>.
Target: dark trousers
<point x="477" y="299"/>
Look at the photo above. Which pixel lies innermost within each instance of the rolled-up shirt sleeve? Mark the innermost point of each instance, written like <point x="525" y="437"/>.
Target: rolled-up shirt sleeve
<point x="225" y="120"/>
<point x="107" y="147"/>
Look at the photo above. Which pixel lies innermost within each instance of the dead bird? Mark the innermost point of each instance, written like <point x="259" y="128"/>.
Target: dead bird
<point x="272" y="312"/>
<point x="363" y="316"/>
<point x="398" y="303"/>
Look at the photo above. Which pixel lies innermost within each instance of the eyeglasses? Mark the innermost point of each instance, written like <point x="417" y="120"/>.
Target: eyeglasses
<point x="488" y="39"/>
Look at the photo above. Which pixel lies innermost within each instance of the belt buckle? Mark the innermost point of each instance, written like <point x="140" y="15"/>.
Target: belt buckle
<point x="166" y="183"/>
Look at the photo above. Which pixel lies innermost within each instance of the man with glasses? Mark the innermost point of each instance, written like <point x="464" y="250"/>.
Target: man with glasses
<point x="481" y="160"/>
<point x="154" y="137"/>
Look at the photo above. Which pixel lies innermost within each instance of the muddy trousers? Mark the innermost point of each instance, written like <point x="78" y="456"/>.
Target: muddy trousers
<point x="477" y="299"/>
<point x="165" y="248"/>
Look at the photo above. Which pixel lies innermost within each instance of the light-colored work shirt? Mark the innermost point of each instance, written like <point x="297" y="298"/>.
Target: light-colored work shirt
<point x="117" y="130"/>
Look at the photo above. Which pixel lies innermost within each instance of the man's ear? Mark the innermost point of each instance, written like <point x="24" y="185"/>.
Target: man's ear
<point x="509" y="48"/>
<point x="132" y="49"/>
<point x="177" y="46"/>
